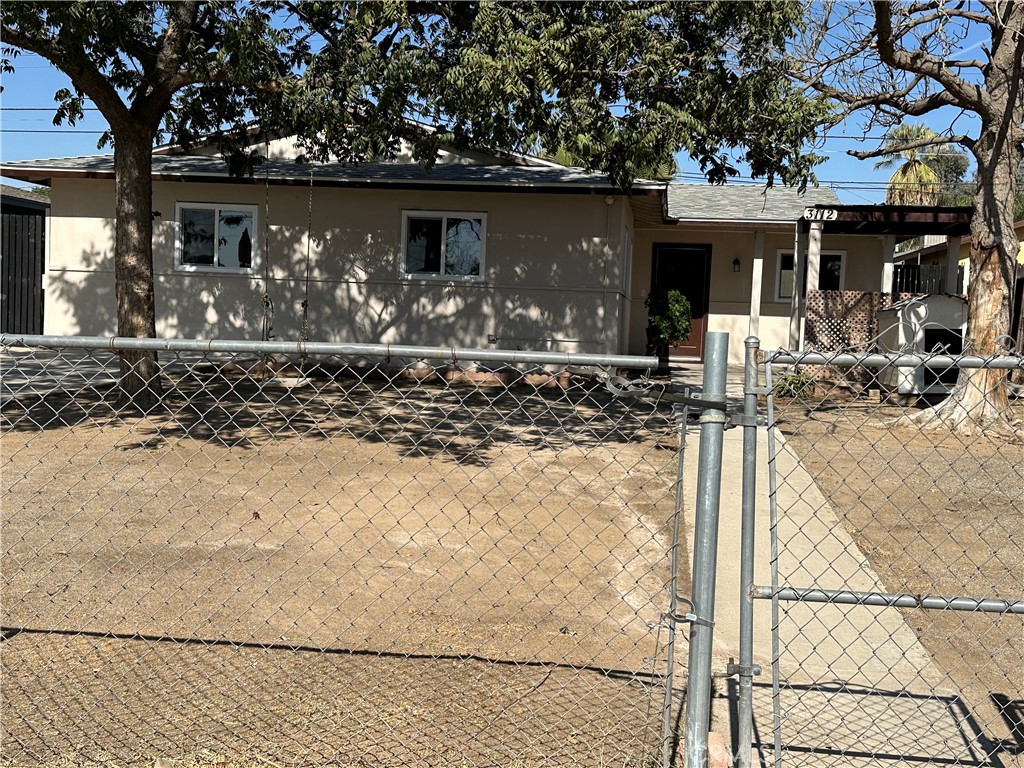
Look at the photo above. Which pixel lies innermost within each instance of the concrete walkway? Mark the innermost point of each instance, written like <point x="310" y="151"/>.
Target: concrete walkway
<point x="857" y="686"/>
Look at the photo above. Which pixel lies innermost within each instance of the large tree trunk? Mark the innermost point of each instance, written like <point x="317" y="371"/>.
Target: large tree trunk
<point x="133" y="265"/>
<point x="980" y="398"/>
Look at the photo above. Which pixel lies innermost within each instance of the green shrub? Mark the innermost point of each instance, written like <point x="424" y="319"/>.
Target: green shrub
<point x="670" y="315"/>
<point x="792" y="384"/>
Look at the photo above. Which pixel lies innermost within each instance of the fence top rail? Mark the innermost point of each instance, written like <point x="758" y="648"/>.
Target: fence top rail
<point x="895" y="360"/>
<point x="235" y="346"/>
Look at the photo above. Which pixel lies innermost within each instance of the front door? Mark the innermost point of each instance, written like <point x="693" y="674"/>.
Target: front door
<point x="687" y="269"/>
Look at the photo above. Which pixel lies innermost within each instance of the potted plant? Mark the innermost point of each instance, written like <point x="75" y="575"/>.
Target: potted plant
<point x="669" y="318"/>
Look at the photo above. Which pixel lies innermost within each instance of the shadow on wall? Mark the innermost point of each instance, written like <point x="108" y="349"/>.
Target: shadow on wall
<point x="84" y="301"/>
<point x="355" y="294"/>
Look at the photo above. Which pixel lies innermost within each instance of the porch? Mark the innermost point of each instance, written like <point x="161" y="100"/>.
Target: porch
<point x="828" y="320"/>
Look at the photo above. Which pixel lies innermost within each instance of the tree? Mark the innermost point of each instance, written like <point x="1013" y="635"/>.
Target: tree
<point x="620" y="85"/>
<point x="662" y="170"/>
<point x="141" y="64"/>
<point x="950" y="164"/>
<point x="916" y="180"/>
<point x="899" y="60"/>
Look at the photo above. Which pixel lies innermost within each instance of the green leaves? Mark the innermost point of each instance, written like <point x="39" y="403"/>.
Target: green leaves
<point x="619" y="86"/>
<point x="669" y="317"/>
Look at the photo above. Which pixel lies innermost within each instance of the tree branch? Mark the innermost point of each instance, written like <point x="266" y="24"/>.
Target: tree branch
<point x="216" y="76"/>
<point x="922" y="63"/>
<point x="946" y="12"/>
<point x="83" y="74"/>
<point x="162" y="76"/>
<point x="965" y="63"/>
<point x="893" y="99"/>
<point x="934" y="141"/>
<point x="852" y="52"/>
<point x="179" y="29"/>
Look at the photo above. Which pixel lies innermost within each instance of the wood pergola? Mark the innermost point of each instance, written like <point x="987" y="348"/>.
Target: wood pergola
<point x="890" y="222"/>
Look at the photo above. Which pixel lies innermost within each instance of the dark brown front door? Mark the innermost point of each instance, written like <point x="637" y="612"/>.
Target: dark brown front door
<point x="687" y="269"/>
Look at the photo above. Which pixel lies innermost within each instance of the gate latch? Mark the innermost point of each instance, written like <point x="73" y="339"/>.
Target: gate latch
<point x="732" y="669"/>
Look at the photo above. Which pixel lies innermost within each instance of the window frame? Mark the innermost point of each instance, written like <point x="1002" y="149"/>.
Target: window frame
<point x="443" y="216"/>
<point x="779" y="298"/>
<point x="179" y="237"/>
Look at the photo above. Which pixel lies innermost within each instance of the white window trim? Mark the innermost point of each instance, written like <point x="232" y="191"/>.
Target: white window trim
<point x="779" y="298"/>
<point x="213" y="269"/>
<point x="441" y="277"/>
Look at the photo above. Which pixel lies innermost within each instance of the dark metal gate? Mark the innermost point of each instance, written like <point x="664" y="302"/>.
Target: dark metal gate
<point x="21" y="273"/>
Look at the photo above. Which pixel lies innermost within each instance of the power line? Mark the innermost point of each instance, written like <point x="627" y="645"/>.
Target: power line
<point x="823" y="137"/>
<point x="44" y="130"/>
<point x="42" y="109"/>
<point x="827" y="137"/>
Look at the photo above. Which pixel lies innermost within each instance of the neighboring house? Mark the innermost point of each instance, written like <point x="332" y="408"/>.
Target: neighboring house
<point x="483" y="250"/>
<point x="932" y="250"/>
<point x="933" y="254"/>
<point x="22" y="265"/>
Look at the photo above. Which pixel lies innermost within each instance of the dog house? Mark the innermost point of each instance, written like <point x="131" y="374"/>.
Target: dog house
<point x="932" y="323"/>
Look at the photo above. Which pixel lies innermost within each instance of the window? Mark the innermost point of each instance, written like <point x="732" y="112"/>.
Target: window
<point x="831" y="273"/>
<point x="443" y="244"/>
<point x="216" y="237"/>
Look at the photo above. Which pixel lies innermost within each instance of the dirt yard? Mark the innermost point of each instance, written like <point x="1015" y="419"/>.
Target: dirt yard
<point x="939" y="514"/>
<point x="344" y="572"/>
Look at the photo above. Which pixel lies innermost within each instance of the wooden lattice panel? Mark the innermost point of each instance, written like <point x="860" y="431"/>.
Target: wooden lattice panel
<point x="844" y="320"/>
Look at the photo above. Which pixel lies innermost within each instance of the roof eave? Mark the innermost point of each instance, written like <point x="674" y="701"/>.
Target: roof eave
<point x="746" y="223"/>
<point x="45" y="175"/>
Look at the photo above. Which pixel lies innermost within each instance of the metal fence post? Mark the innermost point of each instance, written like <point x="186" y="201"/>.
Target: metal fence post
<point x="705" y="555"/>
<point x="668" y="744"/>
<point x="745" y="714"/>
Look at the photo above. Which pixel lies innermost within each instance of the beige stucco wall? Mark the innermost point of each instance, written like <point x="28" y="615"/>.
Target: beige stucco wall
<point x="552" y="269"/>
<point x="729" y="300"/>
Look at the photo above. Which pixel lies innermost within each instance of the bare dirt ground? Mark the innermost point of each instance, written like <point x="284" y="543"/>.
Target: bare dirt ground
<point x="940" y="514"/>
<point x="350" y="571"/>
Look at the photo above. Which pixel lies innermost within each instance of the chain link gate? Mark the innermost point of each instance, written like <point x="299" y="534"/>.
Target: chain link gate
<point x="343" y="555"/>
<point x="896" y="553"/>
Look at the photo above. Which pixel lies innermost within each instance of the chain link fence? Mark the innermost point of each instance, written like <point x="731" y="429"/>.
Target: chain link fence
<point x="346" y="555"/>
<point x="897" y="561"/>
<point x="333" y="555"/>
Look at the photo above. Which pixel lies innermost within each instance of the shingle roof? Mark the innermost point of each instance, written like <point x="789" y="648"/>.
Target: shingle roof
<point x="379" y="174"/>
<point x="704" y="202"/>
<point x="24" y="194"/>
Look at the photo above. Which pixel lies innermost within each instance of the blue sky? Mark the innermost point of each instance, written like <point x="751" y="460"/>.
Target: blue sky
<point x="27" y="132"/>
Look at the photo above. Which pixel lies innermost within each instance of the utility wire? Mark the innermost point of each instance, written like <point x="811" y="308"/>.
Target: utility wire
<point x="45" y="130"/>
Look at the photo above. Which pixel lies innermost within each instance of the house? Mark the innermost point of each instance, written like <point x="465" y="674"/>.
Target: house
<point x="484" y="250"/>
<point x="21" y="259"/>
<point x="931" y="255"/>
<point x="931" y="250"/>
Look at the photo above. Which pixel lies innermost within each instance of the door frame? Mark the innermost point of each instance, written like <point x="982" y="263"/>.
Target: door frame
<point x="706" y="304"/>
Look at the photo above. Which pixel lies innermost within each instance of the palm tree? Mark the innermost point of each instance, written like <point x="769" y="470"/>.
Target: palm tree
<point x="915" y="181"/>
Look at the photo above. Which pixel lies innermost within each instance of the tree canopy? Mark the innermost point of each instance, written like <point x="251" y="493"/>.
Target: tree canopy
<point x="620" y="85"/>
